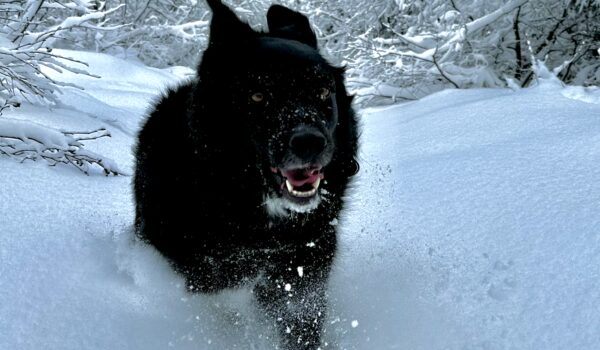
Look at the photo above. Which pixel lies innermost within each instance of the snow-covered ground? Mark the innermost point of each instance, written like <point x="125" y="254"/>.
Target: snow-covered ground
<point x="474" y="224"/>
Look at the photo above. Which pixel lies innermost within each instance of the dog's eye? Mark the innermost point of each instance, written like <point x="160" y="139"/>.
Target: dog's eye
<point x="324" y="93"/>
<point x="257" y="97"/>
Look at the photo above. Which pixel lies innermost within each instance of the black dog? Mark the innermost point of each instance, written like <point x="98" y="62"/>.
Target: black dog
<point x="241" y="173"/>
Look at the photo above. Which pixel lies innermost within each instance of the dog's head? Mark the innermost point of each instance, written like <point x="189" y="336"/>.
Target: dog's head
<point x="288" y="99"/>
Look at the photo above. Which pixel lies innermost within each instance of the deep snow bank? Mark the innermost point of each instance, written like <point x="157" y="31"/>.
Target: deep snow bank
<point x="474" y="224"/>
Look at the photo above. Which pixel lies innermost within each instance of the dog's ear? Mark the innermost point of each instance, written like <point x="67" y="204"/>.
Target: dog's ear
<point x="288" y="24"/>
<point x="225" y="25"/>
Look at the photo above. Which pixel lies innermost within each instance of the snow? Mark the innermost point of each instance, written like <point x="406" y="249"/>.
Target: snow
<point x="20" y="129"/>
<point x="480" y="208"/>
<point x="473" y="224"/>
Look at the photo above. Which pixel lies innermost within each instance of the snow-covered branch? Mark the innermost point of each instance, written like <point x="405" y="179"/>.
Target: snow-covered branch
<point x="27" y="36"/>
<point x="420" y="46"/>
<point x="443" y="43"/>
<point x="22" y="140"/>
<point x="47" y="36"/>
<point x="480" y="23"/>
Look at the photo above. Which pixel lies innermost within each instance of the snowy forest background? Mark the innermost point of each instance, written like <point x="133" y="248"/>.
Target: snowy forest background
<point x="394" y="50"/>
<point x="472" y="225"/>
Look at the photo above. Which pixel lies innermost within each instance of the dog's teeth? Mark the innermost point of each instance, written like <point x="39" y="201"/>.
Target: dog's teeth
<point x="304" y="194"/>
<point x="316" y="184"/>
<point x="289" y="186"/>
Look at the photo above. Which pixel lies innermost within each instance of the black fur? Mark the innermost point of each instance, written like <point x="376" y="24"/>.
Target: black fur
<point x="215" y="151"/>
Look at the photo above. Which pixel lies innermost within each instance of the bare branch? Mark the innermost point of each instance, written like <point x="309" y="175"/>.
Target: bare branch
<point x="518" y="52"/>
<point x="435" y="62"/>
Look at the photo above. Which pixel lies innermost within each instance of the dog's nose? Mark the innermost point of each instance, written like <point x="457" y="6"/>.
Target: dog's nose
<point x="307" y="143"/>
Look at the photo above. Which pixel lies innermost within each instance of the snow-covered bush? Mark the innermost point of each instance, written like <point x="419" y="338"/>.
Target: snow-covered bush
<point x="161" y="33"/>
<point x="412" y="48"/>
<point x="393" y="49"/>
<point x="28" y="32"/>
<point x="405" y="49"/>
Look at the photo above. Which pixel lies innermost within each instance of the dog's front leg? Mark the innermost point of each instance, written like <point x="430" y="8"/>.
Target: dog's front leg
<point x="293" y="295"/>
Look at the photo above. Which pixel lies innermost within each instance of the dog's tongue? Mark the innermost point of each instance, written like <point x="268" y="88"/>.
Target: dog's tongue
<point x="300" y="177"/>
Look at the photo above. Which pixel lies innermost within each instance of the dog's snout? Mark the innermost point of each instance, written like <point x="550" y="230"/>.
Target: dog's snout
<point x="307" y="143"/>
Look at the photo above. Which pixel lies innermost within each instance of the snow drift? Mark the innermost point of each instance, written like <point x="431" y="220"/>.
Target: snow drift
<point x="474" y="224"/>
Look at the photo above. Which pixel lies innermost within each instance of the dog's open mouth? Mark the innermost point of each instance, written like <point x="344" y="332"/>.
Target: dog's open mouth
<point x="300" y="184"/>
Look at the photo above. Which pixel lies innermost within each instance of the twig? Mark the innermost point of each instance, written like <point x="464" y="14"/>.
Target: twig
<point x="442" y="72"/>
